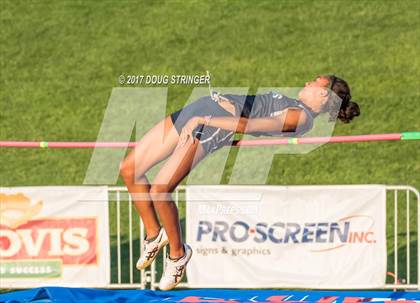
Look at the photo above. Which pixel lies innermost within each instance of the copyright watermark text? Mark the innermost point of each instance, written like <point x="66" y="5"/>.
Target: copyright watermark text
<point x="163" y="79"/>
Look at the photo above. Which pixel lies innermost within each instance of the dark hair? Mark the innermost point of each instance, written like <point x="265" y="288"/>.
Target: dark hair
<point x="348" y="108"/>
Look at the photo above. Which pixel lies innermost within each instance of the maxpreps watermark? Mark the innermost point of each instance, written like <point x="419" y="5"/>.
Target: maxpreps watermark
<point x="138" y="109"/>
<point x="229" y="209"/>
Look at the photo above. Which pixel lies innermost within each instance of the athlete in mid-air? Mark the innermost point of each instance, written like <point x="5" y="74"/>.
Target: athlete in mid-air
<point x="186" y="136"/>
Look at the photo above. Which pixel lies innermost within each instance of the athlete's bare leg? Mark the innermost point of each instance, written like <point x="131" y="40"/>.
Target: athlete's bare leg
<point x="170" y="175"/>
<point x="156" y="145"/>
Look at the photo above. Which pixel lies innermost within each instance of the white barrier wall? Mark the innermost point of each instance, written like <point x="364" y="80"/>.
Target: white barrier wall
<point x="48" y="223"/>
<point x="285" y="236"/>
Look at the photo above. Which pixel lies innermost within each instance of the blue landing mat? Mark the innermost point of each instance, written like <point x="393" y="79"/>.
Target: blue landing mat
<point x="63" y="294"/>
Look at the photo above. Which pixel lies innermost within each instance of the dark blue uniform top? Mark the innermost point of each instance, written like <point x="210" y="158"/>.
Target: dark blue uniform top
<point x="259" y="106"/>
<point x="270" y="105"/>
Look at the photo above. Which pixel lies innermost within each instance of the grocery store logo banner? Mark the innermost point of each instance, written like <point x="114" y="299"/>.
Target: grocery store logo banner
<point x="54" y="234"/>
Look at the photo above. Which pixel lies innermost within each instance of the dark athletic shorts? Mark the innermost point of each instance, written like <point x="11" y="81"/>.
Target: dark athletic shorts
<point x="211" y="138"/>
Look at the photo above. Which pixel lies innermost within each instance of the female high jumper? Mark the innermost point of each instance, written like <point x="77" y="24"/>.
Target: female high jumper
<point x="202" y="127"/>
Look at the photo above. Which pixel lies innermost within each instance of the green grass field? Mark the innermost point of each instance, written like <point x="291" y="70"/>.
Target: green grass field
<point x="60" y="60"/>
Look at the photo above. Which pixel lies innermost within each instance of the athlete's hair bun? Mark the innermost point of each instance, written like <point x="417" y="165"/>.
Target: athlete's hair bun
<point x="348" y="111"/>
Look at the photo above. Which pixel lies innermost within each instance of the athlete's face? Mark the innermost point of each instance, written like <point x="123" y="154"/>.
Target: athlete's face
<point x="315" y="92"/>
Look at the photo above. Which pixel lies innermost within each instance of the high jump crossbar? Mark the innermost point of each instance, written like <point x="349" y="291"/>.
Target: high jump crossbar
<point x="255" y="142"/>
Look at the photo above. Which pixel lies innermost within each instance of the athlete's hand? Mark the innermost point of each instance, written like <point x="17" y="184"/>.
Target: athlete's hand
<point x="186" y="135"/>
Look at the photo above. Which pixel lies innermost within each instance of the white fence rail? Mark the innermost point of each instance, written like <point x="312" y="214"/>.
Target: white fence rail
<point x="403" y="235"/>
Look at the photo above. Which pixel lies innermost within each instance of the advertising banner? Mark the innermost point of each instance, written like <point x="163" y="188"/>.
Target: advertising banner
<point x="287" y="236"/>
<point x="54" y="235"/>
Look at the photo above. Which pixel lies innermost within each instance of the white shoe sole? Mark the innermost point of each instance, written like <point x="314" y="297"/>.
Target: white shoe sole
<point x="147" y="264"/>
<point x="188" y="260"/>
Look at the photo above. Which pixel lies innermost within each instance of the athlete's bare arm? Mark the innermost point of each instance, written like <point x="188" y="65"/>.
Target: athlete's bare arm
<point x="287" y="121"/>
